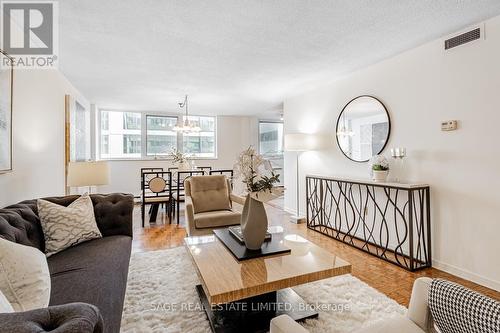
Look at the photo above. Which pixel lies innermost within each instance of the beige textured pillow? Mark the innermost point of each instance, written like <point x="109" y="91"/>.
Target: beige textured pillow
<point x="64" y="227"/>
<point x="24" y="276"/>
<point x="209" y="193"/>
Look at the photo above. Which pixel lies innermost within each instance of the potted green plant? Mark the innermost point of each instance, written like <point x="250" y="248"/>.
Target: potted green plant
<point x="379" y="168"/>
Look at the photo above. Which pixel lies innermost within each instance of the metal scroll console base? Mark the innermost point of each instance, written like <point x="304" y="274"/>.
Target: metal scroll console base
<point x="389" y="220"/>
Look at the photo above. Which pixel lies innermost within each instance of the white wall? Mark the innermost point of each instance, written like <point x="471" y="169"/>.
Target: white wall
<point x="38" y="136"/>
<point x="234" y="134"/>
<point x="421" y="88"/>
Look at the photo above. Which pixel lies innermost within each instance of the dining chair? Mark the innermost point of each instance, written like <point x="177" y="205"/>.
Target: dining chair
<point x="156" y="190"/>
<point x="205" y="168"/>
<point x="143" y="170"/>
<point x="179" y="186"/>
<point x="173" y="169"/>
<point x="227" y="172"/>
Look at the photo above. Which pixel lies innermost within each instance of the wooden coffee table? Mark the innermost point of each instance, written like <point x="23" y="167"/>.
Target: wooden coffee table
<point x="243" y="296"/>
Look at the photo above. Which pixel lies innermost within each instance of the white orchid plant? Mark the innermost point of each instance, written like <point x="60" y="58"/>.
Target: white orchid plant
<point x="256" y="173"/>
<point x="177" y="156"/>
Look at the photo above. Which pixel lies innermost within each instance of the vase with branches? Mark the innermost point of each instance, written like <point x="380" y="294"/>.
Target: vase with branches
<point x="260" y="182"/>
<point x="180" y="159"/>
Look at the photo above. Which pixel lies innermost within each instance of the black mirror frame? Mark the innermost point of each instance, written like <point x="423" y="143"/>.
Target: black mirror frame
<point x="338" y="120"/>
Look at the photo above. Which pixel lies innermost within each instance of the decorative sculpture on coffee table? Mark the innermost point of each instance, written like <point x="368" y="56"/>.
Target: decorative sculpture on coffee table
<point x="257" y="175"/>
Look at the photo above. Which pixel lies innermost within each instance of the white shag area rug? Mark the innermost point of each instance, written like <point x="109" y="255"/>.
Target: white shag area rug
<point x="161" y="297"/>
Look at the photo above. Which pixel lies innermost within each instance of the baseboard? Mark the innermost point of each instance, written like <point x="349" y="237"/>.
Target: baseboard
<point x="290" y="210"/>
<point x="465" y="274"/>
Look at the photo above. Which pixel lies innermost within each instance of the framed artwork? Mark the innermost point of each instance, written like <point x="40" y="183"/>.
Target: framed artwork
<point x="77" y="133"/>
<point x="6" y="96"/>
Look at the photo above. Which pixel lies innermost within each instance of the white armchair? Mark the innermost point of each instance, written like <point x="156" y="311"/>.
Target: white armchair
<point x="417" y="320"/>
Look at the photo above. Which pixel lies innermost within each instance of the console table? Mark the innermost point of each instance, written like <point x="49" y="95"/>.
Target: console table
<point x="389" y="220"/>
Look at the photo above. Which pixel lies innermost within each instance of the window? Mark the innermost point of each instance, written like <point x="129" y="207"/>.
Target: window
<point x="270" y="138"/>
<point x="161" y="138"/>
<point x="120" y="135"/>
<point x="201" y="144"/>
<point x="131" y="144"/>
<point x="105" y="144"/>
<point x="131" y="120"/>
<point x="135" y="135"/>
<point x="105" y="121"/>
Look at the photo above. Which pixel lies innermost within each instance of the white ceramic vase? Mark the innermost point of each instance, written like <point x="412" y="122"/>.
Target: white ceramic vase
<point x="184" y="166"/>
<point x="253" y="223"/>
<point x="380" y="176"/>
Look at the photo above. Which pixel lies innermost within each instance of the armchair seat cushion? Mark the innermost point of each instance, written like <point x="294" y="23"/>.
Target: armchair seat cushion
<point x="216" y="219"/>
<point x="397" y="324"/>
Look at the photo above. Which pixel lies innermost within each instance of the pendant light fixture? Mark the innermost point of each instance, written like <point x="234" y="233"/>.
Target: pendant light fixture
<point x="186" y="126"/>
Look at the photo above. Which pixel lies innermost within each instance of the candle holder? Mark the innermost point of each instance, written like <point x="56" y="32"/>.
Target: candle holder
<point x="398" y="154"/>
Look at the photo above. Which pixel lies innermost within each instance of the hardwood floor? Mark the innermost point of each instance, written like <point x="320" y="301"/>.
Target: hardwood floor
<point x="389" y="279"/>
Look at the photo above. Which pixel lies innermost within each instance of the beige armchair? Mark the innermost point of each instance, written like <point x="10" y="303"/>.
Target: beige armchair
<point x="209" y="204"/>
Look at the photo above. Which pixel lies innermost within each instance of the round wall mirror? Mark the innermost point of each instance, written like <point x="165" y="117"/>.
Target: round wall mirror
<point x="363" y="128"/>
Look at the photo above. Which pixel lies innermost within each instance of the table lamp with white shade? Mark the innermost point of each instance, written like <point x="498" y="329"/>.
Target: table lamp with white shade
<point x="299" y="142"/>
<point x="89" y="174"/>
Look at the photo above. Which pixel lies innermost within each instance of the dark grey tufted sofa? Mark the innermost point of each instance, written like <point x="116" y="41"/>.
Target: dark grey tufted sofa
<point x="88" y="281"/>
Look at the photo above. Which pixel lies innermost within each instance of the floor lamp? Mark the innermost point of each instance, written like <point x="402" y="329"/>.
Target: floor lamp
<point x="298" y="143"/>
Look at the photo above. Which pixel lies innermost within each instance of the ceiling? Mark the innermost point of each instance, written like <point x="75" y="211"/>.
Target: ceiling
<point x="239" y="57"/>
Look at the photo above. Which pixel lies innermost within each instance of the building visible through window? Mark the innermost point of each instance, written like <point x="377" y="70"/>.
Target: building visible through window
<point x="120" y="135"/>
<point x="125" y="135"/>
<point x="271" y="144"/>
<point x="201" y="144"/>
<point x="161" y="138"/>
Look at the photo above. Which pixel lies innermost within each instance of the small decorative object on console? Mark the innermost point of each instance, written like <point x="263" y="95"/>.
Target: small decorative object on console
<point x="258" y="176"/>
<point x="398" y="154"/>
<point x="380" y="168"/>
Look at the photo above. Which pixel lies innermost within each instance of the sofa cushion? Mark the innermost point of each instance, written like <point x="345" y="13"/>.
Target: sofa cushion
<point x="209" y="193"/>
<point x="93" y="272"/>
<point x="397" y="324"/>
<point x="24" y="276"/>
<point x="215" y="219"/>
<point x="64" y="227"/>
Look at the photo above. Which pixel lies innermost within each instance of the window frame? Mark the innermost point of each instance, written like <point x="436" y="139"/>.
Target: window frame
<point x="259" y="141"/>
<point x="143" y="130"/>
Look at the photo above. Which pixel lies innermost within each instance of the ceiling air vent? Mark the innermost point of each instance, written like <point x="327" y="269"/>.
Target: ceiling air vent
<point x="462" y="39"/>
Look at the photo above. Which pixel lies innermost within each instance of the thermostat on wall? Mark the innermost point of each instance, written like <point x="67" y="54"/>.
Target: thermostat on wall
<point x="449" y="125"/>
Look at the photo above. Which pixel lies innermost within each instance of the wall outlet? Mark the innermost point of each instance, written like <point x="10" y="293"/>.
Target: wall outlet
<point x="449" y="125"/>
